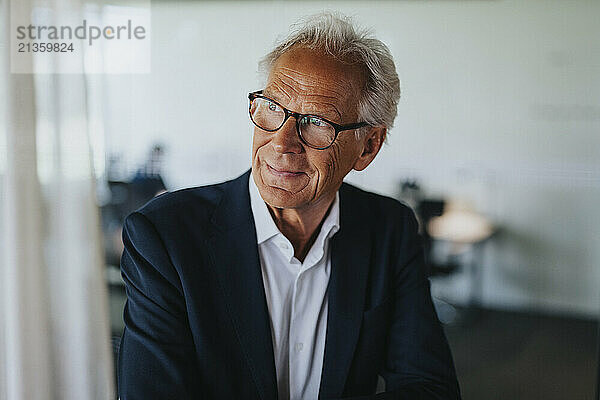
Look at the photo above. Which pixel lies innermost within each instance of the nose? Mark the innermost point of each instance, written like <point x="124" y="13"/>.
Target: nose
<point x="285" y="139"/>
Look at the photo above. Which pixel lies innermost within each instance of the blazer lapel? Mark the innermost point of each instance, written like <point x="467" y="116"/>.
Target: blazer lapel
<point x="235" y="259"/>
<point x="350" y="260"/>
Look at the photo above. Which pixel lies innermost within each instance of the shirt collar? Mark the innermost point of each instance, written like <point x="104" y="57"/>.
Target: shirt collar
<point x="266" y="228"/>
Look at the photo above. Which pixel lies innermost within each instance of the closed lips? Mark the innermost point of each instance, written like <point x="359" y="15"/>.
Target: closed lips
<point x="283" y="171"/>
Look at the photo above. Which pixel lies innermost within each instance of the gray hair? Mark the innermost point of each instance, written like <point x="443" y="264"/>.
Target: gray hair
<point x="337" y="36"/>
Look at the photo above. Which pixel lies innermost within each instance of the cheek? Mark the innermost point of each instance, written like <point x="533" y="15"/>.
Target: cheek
<point x="338" y="162"/>
<point x="325" y="164"/>
<point x="258" y="141"/>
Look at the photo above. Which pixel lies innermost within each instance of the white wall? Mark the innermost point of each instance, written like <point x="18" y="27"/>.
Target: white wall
<point x="500" y="106"/>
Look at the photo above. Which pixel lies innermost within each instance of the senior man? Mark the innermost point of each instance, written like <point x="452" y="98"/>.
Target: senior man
<point x="285" y="282"/>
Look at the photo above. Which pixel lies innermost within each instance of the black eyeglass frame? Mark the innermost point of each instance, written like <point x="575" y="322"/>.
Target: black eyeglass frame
<point x="337" y="127"/>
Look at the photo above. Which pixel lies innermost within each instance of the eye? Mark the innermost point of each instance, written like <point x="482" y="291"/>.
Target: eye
<point x="317" y="122"/>
<point x="272" y="106"/>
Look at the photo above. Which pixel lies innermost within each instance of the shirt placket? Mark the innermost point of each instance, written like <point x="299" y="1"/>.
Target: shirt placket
<point x="295" y="344"/>
<point x="297" y="334"/>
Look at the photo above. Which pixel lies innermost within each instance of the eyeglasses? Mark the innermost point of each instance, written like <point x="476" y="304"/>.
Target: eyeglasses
<point x="314" y="131"/>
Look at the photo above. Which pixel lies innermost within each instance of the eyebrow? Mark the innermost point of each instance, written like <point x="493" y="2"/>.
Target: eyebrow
<point x="267" y="92"/>
<point x="330" y="113"/>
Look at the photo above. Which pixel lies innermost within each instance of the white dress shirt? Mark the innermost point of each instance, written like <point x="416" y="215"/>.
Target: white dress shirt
<point x="297" y="299"/>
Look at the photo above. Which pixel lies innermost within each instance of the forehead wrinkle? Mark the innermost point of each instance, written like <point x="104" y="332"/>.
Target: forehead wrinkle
<point x="314" y="103"/>
<point x="274" y="90"/>
<point x="317" y="102"/>
<point x="307" y="81"/>
<point x="289" y="90"/>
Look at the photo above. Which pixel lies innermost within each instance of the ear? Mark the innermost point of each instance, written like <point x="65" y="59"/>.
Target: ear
<point x="372" y="143"/>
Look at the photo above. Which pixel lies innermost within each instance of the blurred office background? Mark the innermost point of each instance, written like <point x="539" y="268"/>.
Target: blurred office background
<point x="496" y="146"/>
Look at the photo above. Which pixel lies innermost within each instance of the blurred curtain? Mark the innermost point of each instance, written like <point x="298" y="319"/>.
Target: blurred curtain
<point x="54" y="339"/>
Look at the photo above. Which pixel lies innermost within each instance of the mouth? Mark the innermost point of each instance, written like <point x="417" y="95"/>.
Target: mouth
<point x="283" y="172"/>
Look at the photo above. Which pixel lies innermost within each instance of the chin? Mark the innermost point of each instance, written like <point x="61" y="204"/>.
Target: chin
<point x="282" y="192"/>
<point x="280" y="198"/>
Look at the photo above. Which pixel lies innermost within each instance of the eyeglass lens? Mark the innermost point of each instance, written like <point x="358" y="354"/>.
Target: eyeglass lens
<point x="269" y="116"/>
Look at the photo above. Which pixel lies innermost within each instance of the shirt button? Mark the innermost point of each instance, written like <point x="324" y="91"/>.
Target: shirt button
<point x="298" y="347"/>
<point x="284" y="246"/>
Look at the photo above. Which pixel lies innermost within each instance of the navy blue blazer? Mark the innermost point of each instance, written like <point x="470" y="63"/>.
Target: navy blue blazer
<point x="196" y="319"/>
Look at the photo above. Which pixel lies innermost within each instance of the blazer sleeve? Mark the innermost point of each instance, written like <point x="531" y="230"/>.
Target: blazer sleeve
<point x="419" y="363"/>
<point x="156" y="356"/>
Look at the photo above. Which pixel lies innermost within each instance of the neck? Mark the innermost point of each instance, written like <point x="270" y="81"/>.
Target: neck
<point x="301" y="226"/>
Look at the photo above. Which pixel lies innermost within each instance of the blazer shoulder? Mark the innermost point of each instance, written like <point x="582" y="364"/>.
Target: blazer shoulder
<point x="196" y="204"/>
<point x="193" y="210"/>
<point x="178" y="201"/>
